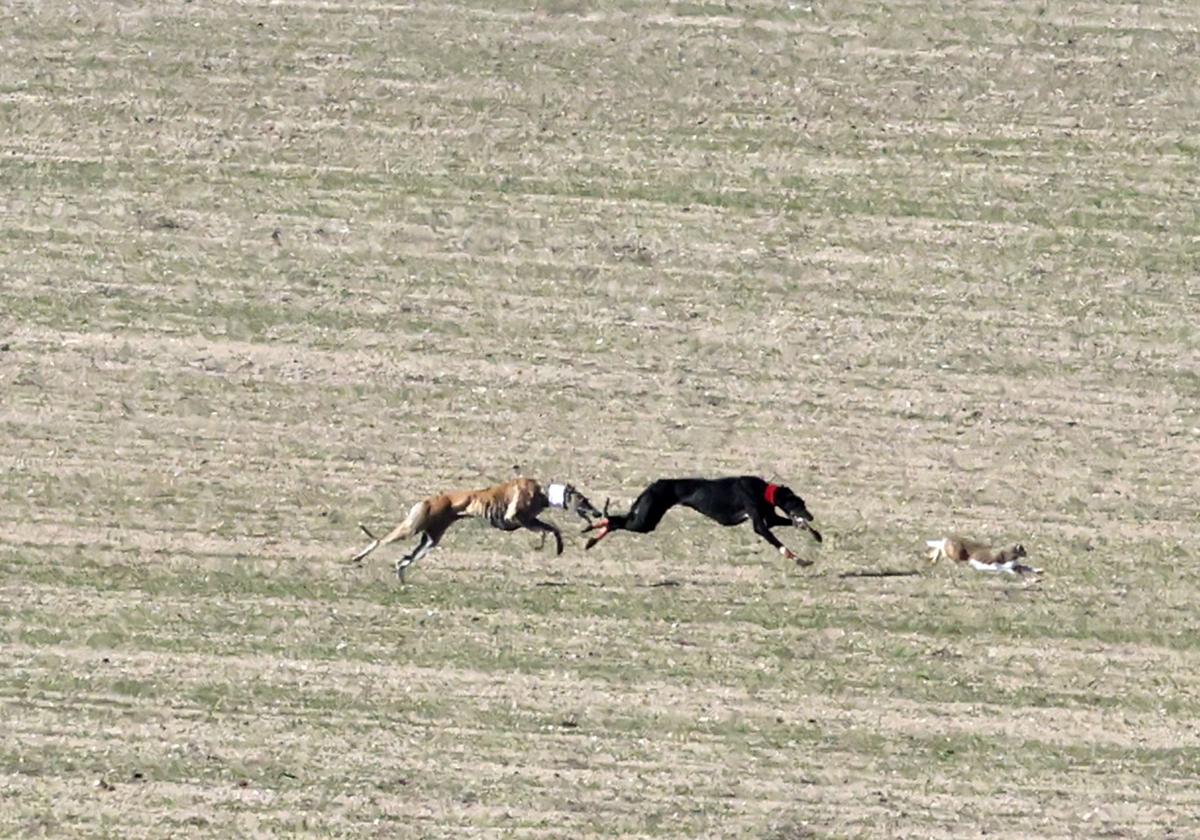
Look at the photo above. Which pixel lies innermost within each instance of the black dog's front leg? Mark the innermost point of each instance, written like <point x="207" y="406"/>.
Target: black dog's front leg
<point x="764" y="530"/>
<point x="775" y="520"/>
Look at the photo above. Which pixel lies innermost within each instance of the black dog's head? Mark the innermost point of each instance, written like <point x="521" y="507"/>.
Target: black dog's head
<point x="795" y="509"/>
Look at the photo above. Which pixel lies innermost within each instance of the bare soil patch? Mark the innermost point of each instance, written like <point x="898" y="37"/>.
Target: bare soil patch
<point x="274" y="270"/>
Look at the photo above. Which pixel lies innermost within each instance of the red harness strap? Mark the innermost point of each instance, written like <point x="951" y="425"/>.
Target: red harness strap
<point x="769" y="495"/>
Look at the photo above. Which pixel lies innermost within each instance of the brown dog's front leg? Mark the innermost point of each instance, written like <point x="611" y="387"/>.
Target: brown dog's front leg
<point x="539" y="526"/>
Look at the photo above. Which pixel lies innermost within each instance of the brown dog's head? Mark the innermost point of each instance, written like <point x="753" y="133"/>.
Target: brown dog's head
<point x="569" y="499"/>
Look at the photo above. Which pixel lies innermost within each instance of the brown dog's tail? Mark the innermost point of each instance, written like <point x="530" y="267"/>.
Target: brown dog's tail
<point x="414" y="523"/>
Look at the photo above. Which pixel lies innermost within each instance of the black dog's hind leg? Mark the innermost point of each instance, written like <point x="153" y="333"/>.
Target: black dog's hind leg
<point x="648" y="510"/>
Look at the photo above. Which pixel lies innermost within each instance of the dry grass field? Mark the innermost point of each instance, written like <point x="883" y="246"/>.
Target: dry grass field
<point x="270" y="270"/>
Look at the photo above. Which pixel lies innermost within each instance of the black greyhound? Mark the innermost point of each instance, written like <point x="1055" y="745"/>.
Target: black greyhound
<point x="726" y="500"/>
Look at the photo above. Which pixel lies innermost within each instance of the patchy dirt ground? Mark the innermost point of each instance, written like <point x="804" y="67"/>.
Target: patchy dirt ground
<point x="272" y="270"/>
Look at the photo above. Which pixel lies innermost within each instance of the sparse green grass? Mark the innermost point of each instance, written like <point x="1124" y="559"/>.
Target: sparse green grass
<point x="272" y="271"/>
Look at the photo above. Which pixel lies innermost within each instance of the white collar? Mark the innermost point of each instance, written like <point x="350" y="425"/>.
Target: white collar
<point x="557" y="494"/>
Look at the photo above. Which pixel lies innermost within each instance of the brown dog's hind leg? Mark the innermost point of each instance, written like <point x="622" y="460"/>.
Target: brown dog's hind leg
<point x="423" y="547"/>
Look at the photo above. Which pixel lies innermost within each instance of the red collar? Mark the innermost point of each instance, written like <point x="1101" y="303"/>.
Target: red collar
<point x="772" y="489"/>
